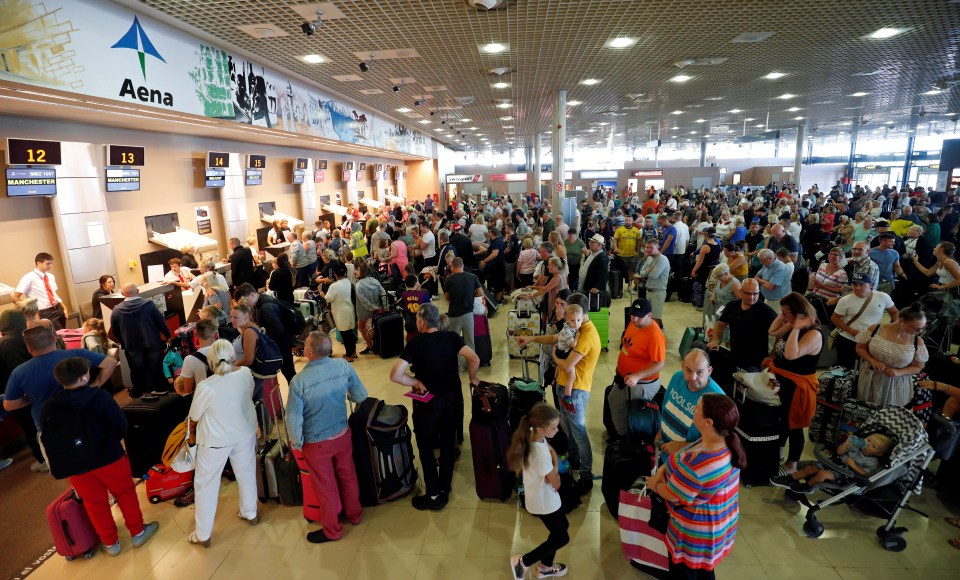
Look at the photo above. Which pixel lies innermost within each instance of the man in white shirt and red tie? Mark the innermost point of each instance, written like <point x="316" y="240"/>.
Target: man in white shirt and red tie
<point x="41" y="284"/>
<point x="178" y="275"/>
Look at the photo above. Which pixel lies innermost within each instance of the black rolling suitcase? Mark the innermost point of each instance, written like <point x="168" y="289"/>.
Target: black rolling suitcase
<point x="490" y="440"/>
<point x="522" y="400"/>
<point x="623" y="464"/>
<point x="759" y="431"/>
<point x="388" y="334"/>
<point x="482" y="343"/>
<point x="615" y="279"/>
<point x="382" y="451"/>
<point x="149" y="423"/>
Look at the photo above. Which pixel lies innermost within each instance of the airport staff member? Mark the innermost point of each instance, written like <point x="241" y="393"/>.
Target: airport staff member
<point x="42" y="285"/>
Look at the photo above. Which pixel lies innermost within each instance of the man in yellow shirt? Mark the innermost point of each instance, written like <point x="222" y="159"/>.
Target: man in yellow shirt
<point x="625" y="242"/>
<point x="583" y="360"/>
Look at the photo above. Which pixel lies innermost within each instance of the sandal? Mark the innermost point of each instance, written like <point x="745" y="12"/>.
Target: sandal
<point x="955" y="542"/>
<point x="953" y="521"/>
<point x="193" y="539"/>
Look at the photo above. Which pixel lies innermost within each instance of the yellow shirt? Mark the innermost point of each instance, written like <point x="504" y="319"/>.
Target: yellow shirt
<point x="588" y="345"/>
<point x="627" y="241"/>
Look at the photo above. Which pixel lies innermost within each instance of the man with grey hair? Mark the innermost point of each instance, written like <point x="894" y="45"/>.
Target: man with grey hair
<point x="317" y="421"/>
<point x="137" y="325"/>
<point x="774" y="278"/>
<point x="460" y="288"/>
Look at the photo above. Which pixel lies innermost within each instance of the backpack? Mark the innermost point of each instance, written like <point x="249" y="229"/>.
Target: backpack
<point x="66" y="431"/>
<point x="291" y="317"/>
<point x="267" y="358"/>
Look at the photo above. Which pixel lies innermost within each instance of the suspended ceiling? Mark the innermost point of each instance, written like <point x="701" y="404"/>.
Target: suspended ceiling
<point x="432" y="50"/>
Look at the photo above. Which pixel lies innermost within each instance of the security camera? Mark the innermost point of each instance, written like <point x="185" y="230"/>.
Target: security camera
<point x="396" y="88"/>
<point x="364" y="67"/>
<point x="417" y="103"/>
<point x="432" y="113"/>
<point x="308" y="28"/>
<point x="443" y="122"/>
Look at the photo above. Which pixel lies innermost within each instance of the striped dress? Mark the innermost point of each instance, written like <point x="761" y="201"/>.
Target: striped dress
<point x="703" y="523"/>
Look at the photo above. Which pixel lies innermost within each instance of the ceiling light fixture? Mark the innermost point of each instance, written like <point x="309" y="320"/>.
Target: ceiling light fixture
<point x="793" y="109"/>
<point x="859" y="94"/>
<point x="750" y="119"/>
<point x="494" y="48"/>
<point x="677" y="112"/>
<point x="574" y="103"/>
<point x="884" y="33"/>
<point x="620" y="42"/>
<point x="798" y="118"/>
<point x="700" y="121"/>
<point x="504" y="106"/>
<point x="506" y="118"/>
<point x="313" y="59"/>
<point x="774" y="76"/>
<point x="590" y="82"/>
<point x="501" y="85"/>
<point x="933" y="92"/>
<point x="735" y="111"/>
<point x="424" y="122"/>
<point x="681" y="78"/>
<point x="759" y="125"/>
<point x="403" y="110"/>
<point x="786" y="96"/>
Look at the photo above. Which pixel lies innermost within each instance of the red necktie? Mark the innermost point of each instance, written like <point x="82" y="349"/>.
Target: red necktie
<point x="46" y="284"/>
<point x="181" y="278"/>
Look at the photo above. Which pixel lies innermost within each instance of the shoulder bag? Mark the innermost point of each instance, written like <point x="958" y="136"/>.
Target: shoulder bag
<point x="832" y="339"/>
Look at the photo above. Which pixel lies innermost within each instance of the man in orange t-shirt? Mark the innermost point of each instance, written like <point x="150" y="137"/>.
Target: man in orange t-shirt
<point x="643" y="350"/>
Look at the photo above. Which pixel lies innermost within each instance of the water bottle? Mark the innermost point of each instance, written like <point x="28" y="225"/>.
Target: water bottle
<point x="857" y="442"/>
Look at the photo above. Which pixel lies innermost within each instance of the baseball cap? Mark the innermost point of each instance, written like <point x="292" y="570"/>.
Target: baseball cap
<point x="598" y="239"/>
<point x="456" y="227"/>
<point x="755" y="220"/>
<point x="862" y="278"/>
<point x="640" y="308"/>
<point x="881" y="224"/>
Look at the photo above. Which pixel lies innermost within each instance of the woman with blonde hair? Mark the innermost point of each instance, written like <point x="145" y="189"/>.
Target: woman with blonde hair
<point x="226" y="428"/>
<point x="559" y="250"/>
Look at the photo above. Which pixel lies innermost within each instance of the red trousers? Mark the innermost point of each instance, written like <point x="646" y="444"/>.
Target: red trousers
<point x="335" y="481"/>
<point x="92" y="487"/>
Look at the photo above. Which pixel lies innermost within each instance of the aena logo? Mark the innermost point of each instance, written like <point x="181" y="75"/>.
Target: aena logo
<point x="136" y="39"/>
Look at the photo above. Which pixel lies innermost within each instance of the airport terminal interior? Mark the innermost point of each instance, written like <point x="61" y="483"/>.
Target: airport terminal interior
<point x="138" y="131"/>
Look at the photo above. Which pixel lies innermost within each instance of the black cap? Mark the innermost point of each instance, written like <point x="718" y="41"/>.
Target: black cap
<point x="640" y="308"/>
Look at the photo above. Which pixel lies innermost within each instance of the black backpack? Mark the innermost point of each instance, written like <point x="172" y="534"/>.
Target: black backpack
<point x="66" y="431"/>
<point x="292" y="318"/>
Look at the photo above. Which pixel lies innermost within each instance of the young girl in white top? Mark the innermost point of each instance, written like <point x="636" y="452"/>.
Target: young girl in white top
<point x="530" y="452"/>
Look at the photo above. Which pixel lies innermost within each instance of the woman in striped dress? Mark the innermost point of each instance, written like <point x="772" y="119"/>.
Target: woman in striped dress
<point x="700" y="485"/>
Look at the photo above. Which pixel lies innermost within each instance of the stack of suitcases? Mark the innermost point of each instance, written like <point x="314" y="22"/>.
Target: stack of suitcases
<point x="837" y="385"/>
<point x="759" y="431"/>
<point x="490" y="441"/>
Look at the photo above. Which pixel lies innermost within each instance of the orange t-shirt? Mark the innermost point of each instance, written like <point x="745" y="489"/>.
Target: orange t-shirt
<point x="640" y="348"/>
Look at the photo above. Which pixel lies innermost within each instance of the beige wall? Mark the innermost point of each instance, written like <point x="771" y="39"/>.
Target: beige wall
<point x="171" y="181"/>
<point x="422" y="179"/>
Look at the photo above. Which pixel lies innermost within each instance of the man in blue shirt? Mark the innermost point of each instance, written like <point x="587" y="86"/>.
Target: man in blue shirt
<point x="774" y="278"/>
<point x="684" y="390"/>
<point x="888" y="261"/>
<point x="317" y="422"/>
<point x="33" y="383"/>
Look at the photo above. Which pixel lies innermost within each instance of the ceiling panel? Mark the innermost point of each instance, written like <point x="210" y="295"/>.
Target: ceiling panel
<point x="819" y="45"/>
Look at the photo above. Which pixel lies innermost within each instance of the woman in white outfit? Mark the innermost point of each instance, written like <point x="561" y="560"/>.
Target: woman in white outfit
<point x="226" y="429"/>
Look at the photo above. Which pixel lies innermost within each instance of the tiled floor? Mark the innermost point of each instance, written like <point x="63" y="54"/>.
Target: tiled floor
<point x="473" y="538"/>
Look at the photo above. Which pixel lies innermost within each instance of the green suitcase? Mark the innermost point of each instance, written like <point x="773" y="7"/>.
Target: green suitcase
<point x="601" y="321"/>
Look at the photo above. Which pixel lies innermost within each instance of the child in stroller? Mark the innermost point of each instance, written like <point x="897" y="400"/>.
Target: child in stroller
<point x="860" y="455"/>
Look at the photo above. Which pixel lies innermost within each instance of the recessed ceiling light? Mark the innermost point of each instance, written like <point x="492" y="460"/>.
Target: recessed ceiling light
<point x="700" y="121"/>
<point x="759" y="125"/>
<point x="574" y="103"/>
<point x="888" y="123"/>
<point x="473" y="128"/>
<point x="589" y="82"/>
<point x="465" y="119"/>
<point x="494" y="48"/>
<point x="504" y="106"/>
<point x="798" y="118"/>
<point x="749" y="119"/>
<point x="506" y="118"/>
<point x="677" y="112"/>
<point x="693" y="132"/>
<point x="681" y="78"/>
<point x="674" y="128"/>
<point x="313" y="58"/>
<point x="933" y="92"/>
<point x="786" y="96"/>
<point x="883" y="33"/>
<point x="508" y="126"/>
<point x="603" y="124"/>
<point x="404" y="110"/>
<point x="713" y="99"/>
<point x="859" y="94"/>
<point x="735" y="111"/>
<point x="620" y="42"/>
<point x="618" y="134"/>
<point x="774" y="76"/>
<point x="793" y="109"/>
<point x="501" y="85"/>
<point x="424" y="122"/>
<point x="730" y="131"/>
<point x="480" y="134"/>
<point x="846" y="123"/>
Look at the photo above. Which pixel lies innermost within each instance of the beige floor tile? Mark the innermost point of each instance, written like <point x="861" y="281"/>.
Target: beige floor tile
<point x="384" y="565"/>
<point x="456" y="532"/>
<point x="261" y="562"/>
<point x="513" y="532"/>
<point x="878" y="574"/>
<point x="185" y="560"/>
<point x="777" y="542"/>
<point x="395" y="530"/>
<point x="801" y="572"/>
<point x="742" y="554"/>
<point x="461" y="567"/>
<point x="733" y="572"/>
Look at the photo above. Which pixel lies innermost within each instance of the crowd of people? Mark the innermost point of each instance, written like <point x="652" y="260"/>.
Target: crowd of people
<point x="817" y="271"/>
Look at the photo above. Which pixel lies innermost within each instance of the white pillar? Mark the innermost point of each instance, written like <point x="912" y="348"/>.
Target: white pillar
<point x="538" y="163"/>
<point x="798" y="156"/>
<point x="308" y="197"/>
<point x="559" y="145"/>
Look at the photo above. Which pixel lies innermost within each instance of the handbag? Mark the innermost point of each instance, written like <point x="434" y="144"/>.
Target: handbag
<point x="185" y="460"/>
<point x="832" y="339"/>
<point x="479" y="308"/>
<point x="643" y="546"/>
<point x="759" y="387"/>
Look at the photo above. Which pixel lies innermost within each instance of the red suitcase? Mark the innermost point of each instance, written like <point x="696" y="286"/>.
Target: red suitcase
<point x="73" y="532"/>
<point x="72" y="337"/>
<point x="311" y="503"/>
<point x="163" y="483"/>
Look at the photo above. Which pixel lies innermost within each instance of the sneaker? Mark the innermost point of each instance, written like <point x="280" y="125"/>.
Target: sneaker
<point x="800" y="487"/>
<point x="367" y="351"/>
<point x="113" y="550"/>
<point x="39" y="467"/>
<point x="252" y="521"/>
<point x="5" y="463"/>
<point x="782" y="481"/>
<point x="148" y="531"/>
<point x="555" y="570"/>
<point x="318" y="537"/>
<point x="517" y="567"/>
<point x="425" y="502"/>
<point x="585" y="484"/>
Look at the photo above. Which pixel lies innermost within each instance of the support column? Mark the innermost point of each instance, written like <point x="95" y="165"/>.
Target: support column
<point x="538" y="162"/>
<point x="527" y="157"/>
<point x="703" y="153"/>
<point x="853" y="156"/>
<point x="798" y="154"/>
<point x="908" y="162"/>
<point x="559" y="146"/>
<point x="776" y="144"/>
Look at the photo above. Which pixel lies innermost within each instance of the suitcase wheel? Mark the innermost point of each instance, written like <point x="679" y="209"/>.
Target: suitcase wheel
<point x="155" y="499"/>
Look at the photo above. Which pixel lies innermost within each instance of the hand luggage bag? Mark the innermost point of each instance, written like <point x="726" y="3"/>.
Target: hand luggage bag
<point x="289" y="483"/>
<point x="300" y="293"/>
<point x="481" y="339"/>
<point x="644" y="547"/>
<point x="828" y="356"/>
<point x="185" y="339"/>
<point x="311" y="503"/>
<point x="382" y="451"/>
<point x="685" y="289"/>
<point x="73" y="532"/>
<point x="72" y="337"/>
<point x="491" y="403"/>
<point x="149" y="423"/>
<point x="759" y="432"/>
<point x="523" y="395"/>
<point x="163" y="483"/>
<point x="388" y="334"/>
<point x="307" y="308"/>
<point x="623" y="464"/>
<point x="601" y="321"/>
<point x="691" y="336"/>
<point x="267" y="458"/>
<point x="489" y="444"/>
<point x="493" y="305"/>
<point x="615" y="280"/>
<point x="522" y="323"/>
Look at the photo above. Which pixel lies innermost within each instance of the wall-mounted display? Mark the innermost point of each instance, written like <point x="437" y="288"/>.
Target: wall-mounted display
<point x="32" y="152"/>
<point x="125" y="155"/>
<point x="298" y="176"/>
<point x="218" y="160"/>
<point x="256" y="161"/>
<point x="363" y="167"/>
<point x="123" y="179"/>
<point x="319" y="175"/>
<point x="348" y="165"/>
<point x="321" y="163"/>
<point x="300" y="163"/>
<point x="31" y="182"/>
<point x="253" y="177"/>
<point x="215" y="178"/>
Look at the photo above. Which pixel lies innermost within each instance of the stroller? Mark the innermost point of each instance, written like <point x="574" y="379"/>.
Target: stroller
<point x="886" y="492"/>
<point x="942" y="310"/>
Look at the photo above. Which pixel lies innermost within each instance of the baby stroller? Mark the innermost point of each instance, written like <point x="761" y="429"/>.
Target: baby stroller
<point x="884" y="493"/>
<point x="942" y="310"/>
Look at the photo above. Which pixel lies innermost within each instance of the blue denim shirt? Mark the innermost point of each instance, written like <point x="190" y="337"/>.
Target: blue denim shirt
<point x="776" y="273"/>
<point x="316" y="406"/>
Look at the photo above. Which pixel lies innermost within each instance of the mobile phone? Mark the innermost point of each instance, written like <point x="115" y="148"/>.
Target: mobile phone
<point x="424" y="398"/>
